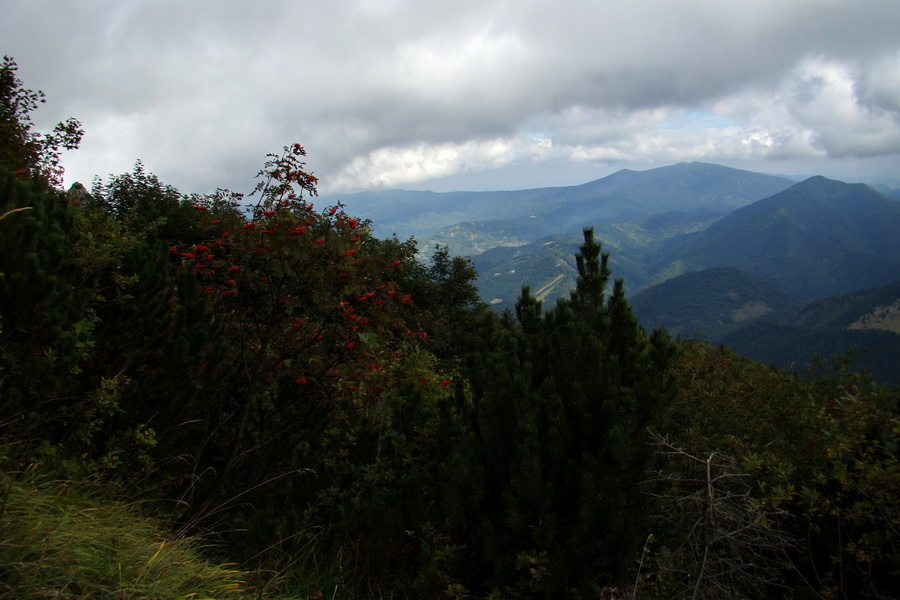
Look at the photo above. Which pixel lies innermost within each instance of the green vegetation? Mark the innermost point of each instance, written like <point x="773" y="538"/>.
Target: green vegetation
<point x="812" y="463"/>
<point x="710" y="303"/>
<point x="219" y="396"/>
<point x="864" y="322"/>
<point x="57" y="541"/>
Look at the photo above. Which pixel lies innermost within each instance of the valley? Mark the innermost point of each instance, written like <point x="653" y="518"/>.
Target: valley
<point x="704" y="250"/>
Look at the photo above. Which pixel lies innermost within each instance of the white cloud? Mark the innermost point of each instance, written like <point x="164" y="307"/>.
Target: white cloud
<point x="397" y="167"/>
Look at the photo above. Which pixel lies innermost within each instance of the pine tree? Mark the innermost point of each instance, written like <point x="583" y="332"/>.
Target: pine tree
<point x="39" y="337"/>
<point x="562" y="402"/>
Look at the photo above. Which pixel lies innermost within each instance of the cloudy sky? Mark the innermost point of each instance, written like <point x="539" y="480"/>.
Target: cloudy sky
<point x="464" y="94"/>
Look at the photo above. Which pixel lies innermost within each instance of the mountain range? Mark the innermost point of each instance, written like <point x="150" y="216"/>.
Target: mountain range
<point x="815" y="239"/>
<point x="532" y="214"/>
<point x="731" y="256"/>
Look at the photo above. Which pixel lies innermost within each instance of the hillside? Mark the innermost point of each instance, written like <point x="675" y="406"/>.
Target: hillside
<point x="471" y="238"/>
<point x="547" y="266"/>
<point x="816" y="239"/>
<point x="866" y="321"/>
<point x="709" y="303"/>
<point x="548" y="263"/>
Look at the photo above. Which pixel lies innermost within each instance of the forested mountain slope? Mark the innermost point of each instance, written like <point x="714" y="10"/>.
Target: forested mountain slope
<point x="818" y="238"/>
<point x="708" y="304"/>
<point x="867" y="322"/>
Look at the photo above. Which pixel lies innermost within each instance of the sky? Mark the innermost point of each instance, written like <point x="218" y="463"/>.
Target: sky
<point x="464" y="94"/>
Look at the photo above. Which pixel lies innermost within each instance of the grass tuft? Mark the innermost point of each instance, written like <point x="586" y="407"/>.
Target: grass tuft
<point x="57" y="542"/>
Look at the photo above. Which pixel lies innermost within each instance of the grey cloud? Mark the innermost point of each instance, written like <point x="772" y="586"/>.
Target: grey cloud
<point x="227" y="81"/>
<point x="880" y="86"/>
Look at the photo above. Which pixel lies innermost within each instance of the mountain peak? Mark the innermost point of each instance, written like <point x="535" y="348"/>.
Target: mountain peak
<point x="823" y="183"/>
<point x="817" y="238"/>
<point x="828" y="193"/>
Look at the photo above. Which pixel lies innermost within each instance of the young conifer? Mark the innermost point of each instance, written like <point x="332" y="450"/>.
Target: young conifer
<point x="562" y="404"/>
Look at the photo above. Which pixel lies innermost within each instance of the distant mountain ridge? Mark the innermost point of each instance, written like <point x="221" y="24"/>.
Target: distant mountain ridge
<point x="624" y="195"/>
<point x="815" y="239"/>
